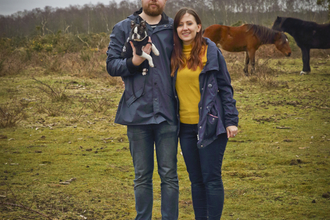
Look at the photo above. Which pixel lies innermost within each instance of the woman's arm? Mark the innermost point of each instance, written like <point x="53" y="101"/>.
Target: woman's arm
<point x="226" y="94"/>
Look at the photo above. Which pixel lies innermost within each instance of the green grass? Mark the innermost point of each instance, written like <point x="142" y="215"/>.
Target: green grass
<point x="277" y="167"/>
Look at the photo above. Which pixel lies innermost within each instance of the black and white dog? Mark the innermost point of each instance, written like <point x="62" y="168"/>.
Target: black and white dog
<point x="139" y="36"/>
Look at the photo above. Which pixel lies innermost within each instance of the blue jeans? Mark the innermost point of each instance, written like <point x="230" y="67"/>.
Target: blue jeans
<point x="204" y="168"/>
<point x="142" y="139"/>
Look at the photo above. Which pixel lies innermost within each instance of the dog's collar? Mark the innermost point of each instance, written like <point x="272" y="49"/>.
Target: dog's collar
<point x="142" y="38"/>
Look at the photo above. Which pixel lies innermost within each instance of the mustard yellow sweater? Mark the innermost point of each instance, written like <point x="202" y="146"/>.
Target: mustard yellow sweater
<point x="187" y="87"/>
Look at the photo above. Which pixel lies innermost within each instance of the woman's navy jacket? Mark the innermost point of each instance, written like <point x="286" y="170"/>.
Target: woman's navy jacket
<point x="217" y="107"/>
<point x="147" y="99"/>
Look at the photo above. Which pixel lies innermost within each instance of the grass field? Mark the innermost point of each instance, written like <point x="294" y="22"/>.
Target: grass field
<point x="62" y="156"/>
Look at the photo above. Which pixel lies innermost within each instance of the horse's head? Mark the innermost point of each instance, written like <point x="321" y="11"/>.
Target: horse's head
<point x="278" y="24"/>
<point x="282" y="43"/>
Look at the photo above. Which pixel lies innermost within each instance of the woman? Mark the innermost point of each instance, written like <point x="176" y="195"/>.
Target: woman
<point x="207" y="112"/>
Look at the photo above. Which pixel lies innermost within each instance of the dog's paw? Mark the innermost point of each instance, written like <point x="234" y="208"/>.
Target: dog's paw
<point x="155" y="50"/>
<point x="144" y="71"/>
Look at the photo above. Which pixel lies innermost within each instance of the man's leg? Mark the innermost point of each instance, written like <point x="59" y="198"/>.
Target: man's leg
<point x="141" y="144"/>
<point x="166" y="150"/>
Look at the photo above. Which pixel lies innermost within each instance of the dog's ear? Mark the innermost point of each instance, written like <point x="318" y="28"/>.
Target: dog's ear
<point x="143" y="24"/>
<point x="132" y="24"/>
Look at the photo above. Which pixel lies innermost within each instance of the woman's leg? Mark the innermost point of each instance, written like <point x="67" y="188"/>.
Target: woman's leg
<point x="188" y="142"/>
<point x="211" y="161"/>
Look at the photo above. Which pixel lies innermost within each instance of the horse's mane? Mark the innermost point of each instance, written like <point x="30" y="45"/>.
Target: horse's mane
<point x="265" y="35"/>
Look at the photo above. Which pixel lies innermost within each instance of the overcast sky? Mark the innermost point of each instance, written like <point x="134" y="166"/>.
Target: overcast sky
<point x="8" y="7"/>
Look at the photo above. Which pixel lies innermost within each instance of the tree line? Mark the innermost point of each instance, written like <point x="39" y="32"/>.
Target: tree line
<point x="98" y="18"/>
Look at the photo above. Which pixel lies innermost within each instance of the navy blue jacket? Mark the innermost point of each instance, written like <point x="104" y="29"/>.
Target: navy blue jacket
<point x="217" y="107"/>
<point x="147" y="99"/>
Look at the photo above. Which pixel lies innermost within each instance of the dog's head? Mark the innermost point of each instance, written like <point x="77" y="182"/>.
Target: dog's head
<point x="139" y="31"/>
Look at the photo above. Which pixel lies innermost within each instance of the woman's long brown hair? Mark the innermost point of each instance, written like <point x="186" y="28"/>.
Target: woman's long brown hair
<point x="198" y="45"/>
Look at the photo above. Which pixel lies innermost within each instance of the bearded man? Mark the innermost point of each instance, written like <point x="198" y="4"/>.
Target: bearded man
<point x="148" y="108"/>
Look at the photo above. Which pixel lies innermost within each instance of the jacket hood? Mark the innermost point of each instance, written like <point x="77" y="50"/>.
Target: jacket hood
<point x="213" y="53"/>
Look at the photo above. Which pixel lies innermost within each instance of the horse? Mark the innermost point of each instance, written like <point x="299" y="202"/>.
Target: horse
<point x="307" y="35"/>
<point x="248" y="38"/>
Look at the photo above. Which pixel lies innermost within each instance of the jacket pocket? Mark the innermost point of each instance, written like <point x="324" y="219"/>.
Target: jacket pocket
<point x="211" y="123"/>
<point x="134" y="88"/>
<point x="131" y="98"/>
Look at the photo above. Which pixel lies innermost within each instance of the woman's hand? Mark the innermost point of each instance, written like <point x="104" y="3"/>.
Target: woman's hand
<point x="137" y="60"/>
<point x="231" y="131"/>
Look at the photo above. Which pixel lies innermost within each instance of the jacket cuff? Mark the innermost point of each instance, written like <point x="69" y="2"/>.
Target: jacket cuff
<point x="233" y="122"/>
<point x="131" y="67"/>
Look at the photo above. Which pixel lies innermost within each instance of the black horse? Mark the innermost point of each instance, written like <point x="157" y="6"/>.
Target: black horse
<point x="307" y="34"/>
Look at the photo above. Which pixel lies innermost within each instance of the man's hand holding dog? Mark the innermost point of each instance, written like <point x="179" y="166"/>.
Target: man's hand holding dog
<point x="137" y="60"/>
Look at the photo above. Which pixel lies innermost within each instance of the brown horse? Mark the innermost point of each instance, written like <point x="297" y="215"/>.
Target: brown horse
<point x="248" y="38"/>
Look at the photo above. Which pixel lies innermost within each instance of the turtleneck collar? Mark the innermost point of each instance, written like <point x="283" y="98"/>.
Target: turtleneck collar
<point x="186" y="49"/>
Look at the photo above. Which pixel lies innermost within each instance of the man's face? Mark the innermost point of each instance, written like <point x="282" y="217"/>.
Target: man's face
<point x="153" y="7"/>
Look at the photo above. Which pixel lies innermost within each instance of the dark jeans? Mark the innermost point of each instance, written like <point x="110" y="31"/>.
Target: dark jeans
<point x="143" y="141"/>
<point x="204" y="168"/>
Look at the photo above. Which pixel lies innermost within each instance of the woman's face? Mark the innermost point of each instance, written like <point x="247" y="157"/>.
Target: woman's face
<point x="188" y="29"/>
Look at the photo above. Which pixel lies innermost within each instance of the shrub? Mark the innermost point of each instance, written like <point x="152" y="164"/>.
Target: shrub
<point x="11" y="61"/>
<point x="55" y="93"/>
<point x="11" y="113"/>
<point x="37" y="46"/>
<point x="292" y="43"/>
<point x="237" y="24"/>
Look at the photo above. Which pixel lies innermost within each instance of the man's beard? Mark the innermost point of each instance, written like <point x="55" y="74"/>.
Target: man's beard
<point x="153" y="12"/>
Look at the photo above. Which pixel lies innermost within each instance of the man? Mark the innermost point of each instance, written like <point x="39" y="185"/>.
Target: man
<point x="148" y="108"/>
